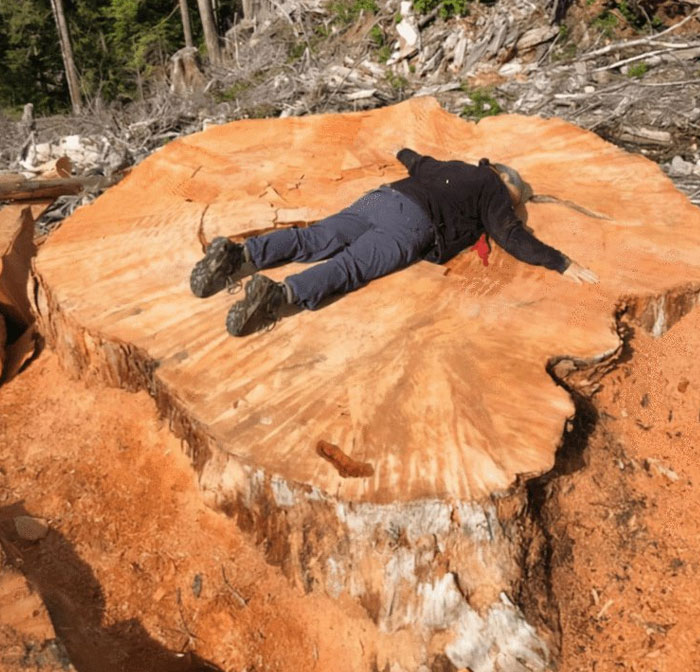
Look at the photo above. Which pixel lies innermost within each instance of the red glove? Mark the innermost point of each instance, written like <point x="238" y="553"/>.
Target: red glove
<point x="482" y="249"/>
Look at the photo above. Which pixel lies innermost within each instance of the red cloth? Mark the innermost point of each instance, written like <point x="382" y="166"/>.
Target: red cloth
<point x="482" y="249"/>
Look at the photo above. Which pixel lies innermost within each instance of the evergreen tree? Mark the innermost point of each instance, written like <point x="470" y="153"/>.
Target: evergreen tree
<point x="119" y="47"/>
<point x="30" y="57"/>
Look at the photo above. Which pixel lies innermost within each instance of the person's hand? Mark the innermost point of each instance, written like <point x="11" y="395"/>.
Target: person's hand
<point x="579" y="274"/>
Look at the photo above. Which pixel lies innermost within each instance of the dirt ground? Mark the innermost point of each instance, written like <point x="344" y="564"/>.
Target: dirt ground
<point x="627" y="550"/>
<point x="136" y="571"/>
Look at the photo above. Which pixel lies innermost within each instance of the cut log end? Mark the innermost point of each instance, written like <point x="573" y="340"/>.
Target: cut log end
<point x="389" y="420"/>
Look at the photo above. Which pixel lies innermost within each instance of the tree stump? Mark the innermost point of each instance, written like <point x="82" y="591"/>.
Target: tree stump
<point x="378" y="447"/>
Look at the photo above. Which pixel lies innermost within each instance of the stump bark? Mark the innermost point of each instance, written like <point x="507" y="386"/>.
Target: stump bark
<point x="433" y="387"/>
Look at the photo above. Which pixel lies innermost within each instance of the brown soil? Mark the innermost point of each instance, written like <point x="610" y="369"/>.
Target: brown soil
<point x="624" y="530"/>
<point x="136" y="570"/>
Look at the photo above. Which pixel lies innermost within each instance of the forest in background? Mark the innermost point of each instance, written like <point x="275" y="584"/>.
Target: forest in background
<point x="63" y="54"/>
<point x="118" y="47"/>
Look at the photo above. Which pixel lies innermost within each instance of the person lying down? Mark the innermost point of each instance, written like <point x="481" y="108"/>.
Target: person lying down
<point x="440" y="209"/>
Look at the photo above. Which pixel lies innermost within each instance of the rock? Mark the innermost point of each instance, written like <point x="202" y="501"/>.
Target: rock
<point x="680" y="167"/>
<point x="435" y="382"/>
<point x="602" y="77"/>
<point x="658" y="467"/>
<point x="31" y="528"/>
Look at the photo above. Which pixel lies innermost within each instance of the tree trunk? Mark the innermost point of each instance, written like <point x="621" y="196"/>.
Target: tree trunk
<point x="67" y="53"/>
<point x="210" y="35"/>
<point x="257" y="10"/>
<point x="379" y="448"/>
<point x="186" y="27"/>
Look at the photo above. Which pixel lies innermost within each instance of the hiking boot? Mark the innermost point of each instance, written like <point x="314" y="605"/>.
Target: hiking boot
<point x="211" y="274"/>
<point x="261" y="307"/>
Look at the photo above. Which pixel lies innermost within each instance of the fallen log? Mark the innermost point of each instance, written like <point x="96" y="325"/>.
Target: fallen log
<point x="378" y="448"/>
<point x="18" y="188"/>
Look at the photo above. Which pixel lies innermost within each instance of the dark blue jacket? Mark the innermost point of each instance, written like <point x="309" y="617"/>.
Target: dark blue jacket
<point x="464" y="201"/>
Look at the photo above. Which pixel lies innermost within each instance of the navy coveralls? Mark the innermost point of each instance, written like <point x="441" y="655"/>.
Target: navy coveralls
<point x="381" y="232"/>
<point x="442" y="208"/>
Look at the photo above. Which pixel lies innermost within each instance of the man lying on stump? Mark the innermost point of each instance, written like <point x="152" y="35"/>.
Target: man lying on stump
<point x="442" y="208"/>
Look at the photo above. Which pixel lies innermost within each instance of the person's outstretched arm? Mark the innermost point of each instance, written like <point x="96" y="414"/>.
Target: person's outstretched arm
<point x="503" y="225"/>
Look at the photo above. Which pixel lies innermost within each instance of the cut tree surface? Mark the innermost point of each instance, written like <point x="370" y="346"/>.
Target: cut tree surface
<point x="376" y="446"/>
<point x="16" y="250"/>
<point x="438" y="382"/>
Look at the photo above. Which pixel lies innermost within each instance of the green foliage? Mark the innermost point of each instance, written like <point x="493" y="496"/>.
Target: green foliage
<point x="637" y="70"/>
<point x="633" y="14"/>
<point x="566" y="52"/>
<point x="346" y="12"/>
<point x="376" y="34"/>
<point x="446" y="9"/>
<point x="30" y="59"/>
<point x="384" y="53"/>
<point x="605" y="22"/>
<point x="116" y="44"/>
<point x="295" y="51"/>
<point x="377" y="37"/>
<point x="396" y="82"/>
<point x="483" y="104"/>
<point x="233" y="91"/>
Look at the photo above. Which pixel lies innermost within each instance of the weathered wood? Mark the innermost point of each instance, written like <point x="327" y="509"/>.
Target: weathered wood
<point x="21" y="189"/>
<point x="16" y="251"/>
<point x="430" y="388"/>
<point x="58" y="168"/>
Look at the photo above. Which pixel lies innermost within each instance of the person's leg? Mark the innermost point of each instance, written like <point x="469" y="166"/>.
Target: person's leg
<point x="312" y="243"/>
<point x="400" y="232"/>
<point x="225" y="259"/>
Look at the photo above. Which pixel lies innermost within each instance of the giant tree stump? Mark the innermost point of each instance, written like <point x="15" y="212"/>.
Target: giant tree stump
<point x="429" y="389"/>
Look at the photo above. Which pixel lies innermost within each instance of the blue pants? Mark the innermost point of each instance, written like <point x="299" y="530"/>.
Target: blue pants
<point x="381" y="232"/>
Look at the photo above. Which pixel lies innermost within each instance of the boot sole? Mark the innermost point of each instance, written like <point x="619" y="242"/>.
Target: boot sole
<point x="243" y="312"/>
<point x="210" y="274"/>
